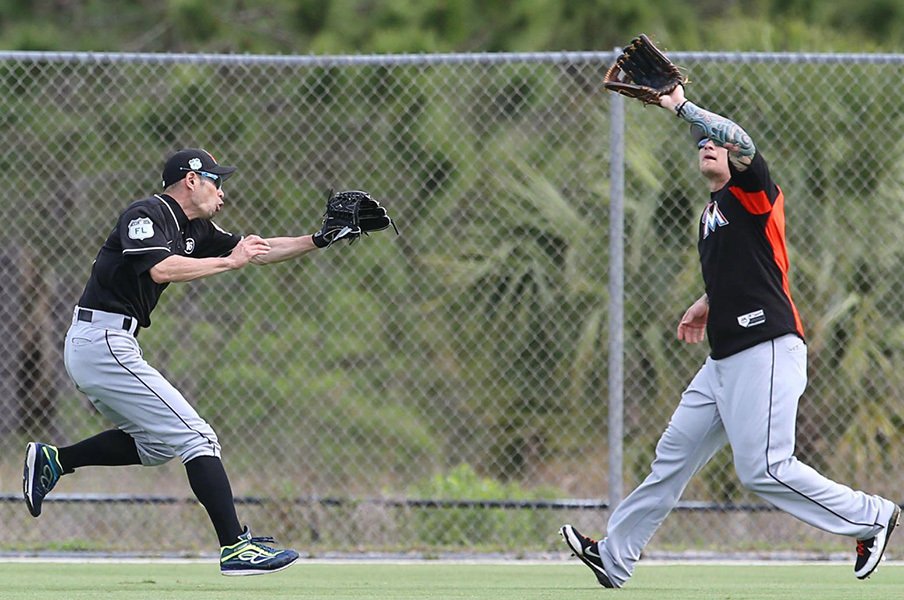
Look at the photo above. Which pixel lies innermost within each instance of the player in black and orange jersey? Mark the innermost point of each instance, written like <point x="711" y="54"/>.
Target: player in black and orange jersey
<point x="746" y="394"/>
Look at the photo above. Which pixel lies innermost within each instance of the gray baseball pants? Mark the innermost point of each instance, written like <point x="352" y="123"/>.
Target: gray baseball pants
<point x="748" y="400"/>
<point x="105" y="362"/>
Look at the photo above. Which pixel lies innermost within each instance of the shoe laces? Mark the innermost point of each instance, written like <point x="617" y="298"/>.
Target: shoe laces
<point x="861" y="547"/>
<point x="263" y="541"/>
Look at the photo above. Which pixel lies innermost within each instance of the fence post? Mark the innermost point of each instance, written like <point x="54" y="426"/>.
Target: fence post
<point x="616" y="294"/>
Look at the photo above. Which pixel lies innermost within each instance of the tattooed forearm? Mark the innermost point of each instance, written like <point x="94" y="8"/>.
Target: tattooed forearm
<point x="722" y="131"/>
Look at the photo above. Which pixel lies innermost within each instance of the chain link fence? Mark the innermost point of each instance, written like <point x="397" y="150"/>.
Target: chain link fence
<point x="448" y="389"/>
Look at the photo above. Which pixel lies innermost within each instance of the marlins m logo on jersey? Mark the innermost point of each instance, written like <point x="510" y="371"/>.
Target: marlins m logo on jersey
<point x="712" y="218"/>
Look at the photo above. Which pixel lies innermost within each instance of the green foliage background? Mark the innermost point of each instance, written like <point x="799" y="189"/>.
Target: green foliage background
<point x="500" y="175"/>
<point x="392" y="26"/>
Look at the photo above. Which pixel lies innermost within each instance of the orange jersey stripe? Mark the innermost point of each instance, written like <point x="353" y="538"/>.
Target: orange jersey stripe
<point x="775" y="233"/>
<point x="756" y="203"/>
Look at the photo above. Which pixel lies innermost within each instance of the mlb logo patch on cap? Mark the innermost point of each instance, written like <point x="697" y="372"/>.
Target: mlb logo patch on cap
<point x="192" y="159"/>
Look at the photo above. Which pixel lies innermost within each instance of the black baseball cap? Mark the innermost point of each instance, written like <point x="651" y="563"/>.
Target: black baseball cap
<point x="192" y="159"/>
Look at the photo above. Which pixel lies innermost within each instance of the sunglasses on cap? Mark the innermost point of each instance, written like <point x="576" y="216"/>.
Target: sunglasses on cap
<point x="216" y="179"/>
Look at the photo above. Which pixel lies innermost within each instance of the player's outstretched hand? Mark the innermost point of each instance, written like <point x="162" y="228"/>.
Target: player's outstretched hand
<point x="249" y="247"/>
<point x="673" y="99"/>
<point x="692" y="327"/>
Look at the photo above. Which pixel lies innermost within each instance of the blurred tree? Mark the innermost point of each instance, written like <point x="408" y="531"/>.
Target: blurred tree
<point x="368" y="26"/>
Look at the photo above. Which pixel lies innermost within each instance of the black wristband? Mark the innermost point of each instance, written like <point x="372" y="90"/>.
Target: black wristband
<point x="319" y="241"/>
<point x="680" y="108"/>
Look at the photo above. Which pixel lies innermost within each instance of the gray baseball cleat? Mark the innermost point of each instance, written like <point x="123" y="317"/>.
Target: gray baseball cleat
<point x="588" y="551"/>
<point x="870" y="551"/>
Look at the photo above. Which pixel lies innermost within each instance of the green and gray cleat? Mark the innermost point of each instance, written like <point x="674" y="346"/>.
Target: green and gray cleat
<point x="42" y="471"/>
<point x="249" y="556"/>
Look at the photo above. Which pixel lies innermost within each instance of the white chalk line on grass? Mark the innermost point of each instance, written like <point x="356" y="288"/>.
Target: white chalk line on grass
<point x="428" y="562"/>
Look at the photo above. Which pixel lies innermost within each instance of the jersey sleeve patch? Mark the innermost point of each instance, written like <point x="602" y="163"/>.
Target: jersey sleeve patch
<point x="141" y="228"/>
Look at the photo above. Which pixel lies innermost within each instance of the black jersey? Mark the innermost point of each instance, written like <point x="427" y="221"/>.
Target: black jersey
<point x="147" y="232"/>
<point x="745" y="262"/>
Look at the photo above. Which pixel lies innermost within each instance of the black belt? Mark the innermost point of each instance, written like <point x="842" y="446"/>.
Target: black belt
<point x="88" y="316"/>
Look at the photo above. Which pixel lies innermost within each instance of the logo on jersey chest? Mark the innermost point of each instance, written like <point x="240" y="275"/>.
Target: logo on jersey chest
<point x="189" y="245"/>
<point x="712" y="218"/>
<point x="141" y="228"/>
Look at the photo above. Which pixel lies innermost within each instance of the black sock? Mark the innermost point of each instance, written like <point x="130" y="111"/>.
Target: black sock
<point x="110" y="448"/>
<point x="210" y="484"/>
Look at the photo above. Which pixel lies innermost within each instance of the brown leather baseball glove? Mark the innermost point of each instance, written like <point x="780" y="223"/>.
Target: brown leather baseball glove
<point x="643" y="72"/>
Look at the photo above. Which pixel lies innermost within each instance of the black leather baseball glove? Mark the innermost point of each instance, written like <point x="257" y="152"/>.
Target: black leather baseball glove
<point x="349" y="215"/>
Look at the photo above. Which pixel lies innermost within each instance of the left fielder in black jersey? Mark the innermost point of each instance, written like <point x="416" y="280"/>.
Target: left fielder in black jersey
<point x="747" y="391"/>
<point x="164" y="238"/>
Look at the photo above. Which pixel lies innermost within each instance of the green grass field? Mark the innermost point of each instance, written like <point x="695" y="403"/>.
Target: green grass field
<point x="67" y="581"/>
